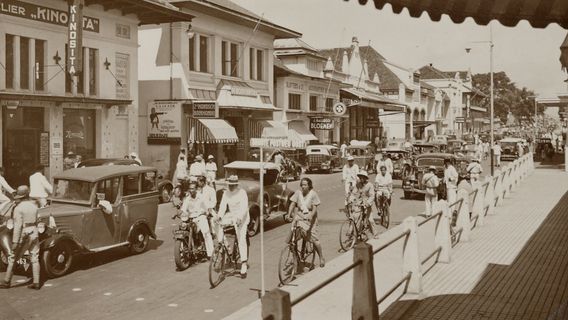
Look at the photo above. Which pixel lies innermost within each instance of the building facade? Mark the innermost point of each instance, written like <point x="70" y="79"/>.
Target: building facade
<point x="47" y="109"/>
<point x="212" y="79"/>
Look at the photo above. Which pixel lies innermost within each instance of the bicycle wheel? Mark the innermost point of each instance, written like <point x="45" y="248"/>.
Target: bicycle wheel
<point x="217" y="266"/>
<point x="347" y="235"/>
<point x="385" y="216"/>
<point x="306" y="254"/>
<point x="287" y="265"/>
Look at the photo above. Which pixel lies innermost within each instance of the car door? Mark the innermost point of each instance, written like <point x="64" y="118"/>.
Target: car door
<point x="103" y="229"/>
<point x="140" y="200"/>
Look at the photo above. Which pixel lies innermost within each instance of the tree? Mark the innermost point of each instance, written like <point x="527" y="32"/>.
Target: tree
<point x="508" y="97"/>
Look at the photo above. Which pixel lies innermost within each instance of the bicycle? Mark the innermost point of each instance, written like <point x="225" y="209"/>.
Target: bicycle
<point x="383" y="205"/>
<point x="355" y="227"/>
<point x="298" y="254"/>
<point x="224" y="262"/>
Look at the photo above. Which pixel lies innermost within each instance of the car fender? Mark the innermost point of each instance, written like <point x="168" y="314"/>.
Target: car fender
<point x="143" y="223"/>
<point x="51" y="240"/>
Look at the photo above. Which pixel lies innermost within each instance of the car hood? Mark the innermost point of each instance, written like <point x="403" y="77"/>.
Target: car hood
<point x="63" y="209"/>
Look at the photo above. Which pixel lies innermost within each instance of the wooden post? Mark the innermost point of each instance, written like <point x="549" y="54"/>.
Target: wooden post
<point x="463" y="220"/>
<point x="443" y="236"/>
<point x="490" y="195"/>
<point x="364" y="305"/>
<point x="411" y="257"/>
<point x="497" y="188"/>
<point x="276" y="305"/>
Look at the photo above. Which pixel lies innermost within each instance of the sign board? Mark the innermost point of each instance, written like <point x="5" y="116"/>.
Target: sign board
<point x="34" y="12"/>
<point x="350" y="102"/>
<point x="164" y="122"/>
<point x="339" y="108"/>
<point x="205" y="109"/>
<point x="122" y="74"/>
<point x="321" y="123"/>
<point x="372" y="123"/>
<point x="460" y="120"/>
<point x="75" y="37"/>
<point x="57" y="146"/>
<point x="44" y="149"/>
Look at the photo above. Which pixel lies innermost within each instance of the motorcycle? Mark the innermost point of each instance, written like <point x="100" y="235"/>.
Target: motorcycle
<point x="189" y="246"/>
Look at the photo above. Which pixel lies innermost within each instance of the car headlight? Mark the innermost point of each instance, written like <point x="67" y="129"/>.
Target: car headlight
<point x="41" y="227"/>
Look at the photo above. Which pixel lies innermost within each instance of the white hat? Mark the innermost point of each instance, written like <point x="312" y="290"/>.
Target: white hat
<point x="210" y="157"/>
<point x="432" y="168"/>
<point x="198" y="158"/>
<point x="233" y="180"/>
<point x="350" y="158"/>
<point x="363" y="173"/>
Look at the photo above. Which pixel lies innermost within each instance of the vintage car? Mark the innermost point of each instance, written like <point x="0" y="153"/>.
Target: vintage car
<point x="292" y="167"/>
<point x="395" y="144"/>
<point x="77" y="221"/>
<point x="276" y="194"/>
<point x="165" y="186"/>
<point x="440" y="138"/>
<point x="425" y="147"/>
<point x="364" y="154"/>
<point x="322" y="157"/>
<point x="543" y="149"/>
<point x="412" y="183"/>
<point x="400" y="159"/>
<point x="509" y="148"/>
<point x="455" y="145"/>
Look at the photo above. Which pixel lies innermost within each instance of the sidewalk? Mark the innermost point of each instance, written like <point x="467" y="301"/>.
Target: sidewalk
<point x="514" y="267"/>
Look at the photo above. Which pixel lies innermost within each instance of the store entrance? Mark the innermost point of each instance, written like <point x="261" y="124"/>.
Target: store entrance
<point x="20" y="143"/>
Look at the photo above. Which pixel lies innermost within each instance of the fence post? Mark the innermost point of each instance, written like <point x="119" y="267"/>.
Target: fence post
<point x="510" y="180"/>
<point x="276" y="305"/>
<point x="497" y="188"/>
<point x="479" y="205"/>
<point x="443" y="236"/>
<point x="364" y="305"/>
<point x="463" y="221"/>
<point x="490" y="195"/>
<point x="411" y="257"/>
<point x="503" y="190"/>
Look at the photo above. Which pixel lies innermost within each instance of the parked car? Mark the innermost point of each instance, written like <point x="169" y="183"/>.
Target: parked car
<point x="322" y="157"/>
<point x="412" y="183"/>
<point x="364" y="154"/>
<point x="79" y="222"/>
<point x="425" y="147"/>
<point x="455" y="146"/>
<point x="276" y="194"/>
<point x="510" y="149"/>
<point x="292" y="168"/>
<point x="165" y="186"/>
<point x="440" y="138"/>
<point x="400" y="159"/>
<point x="395" y="144"/>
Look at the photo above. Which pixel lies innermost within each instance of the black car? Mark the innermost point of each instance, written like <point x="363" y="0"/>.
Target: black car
<point x="165" y="186"/>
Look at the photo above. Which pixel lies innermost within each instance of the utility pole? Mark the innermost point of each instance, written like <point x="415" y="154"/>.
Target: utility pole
<point x="492" y="96"/>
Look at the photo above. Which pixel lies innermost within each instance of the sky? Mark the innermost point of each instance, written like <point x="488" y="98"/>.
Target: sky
<point x="529" y="56"/>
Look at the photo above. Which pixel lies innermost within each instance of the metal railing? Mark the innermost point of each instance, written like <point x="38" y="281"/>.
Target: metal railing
<point x="277" y="305"/>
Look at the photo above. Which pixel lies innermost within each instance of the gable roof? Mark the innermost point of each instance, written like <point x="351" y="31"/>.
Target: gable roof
<point x="375" y="61"/>
<point x="429" y="72"/>
<point x="294" y="46"/>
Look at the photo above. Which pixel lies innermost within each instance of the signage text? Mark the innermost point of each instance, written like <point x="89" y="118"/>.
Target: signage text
<point x="205" y="109"/>
<point x="321" y="123"/>
<point x="75" y="37"/>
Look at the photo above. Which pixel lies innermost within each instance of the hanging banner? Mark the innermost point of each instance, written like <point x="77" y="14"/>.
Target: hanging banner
<point x="321" y="123"/>
<point x="75" y="37"/>
<point x="205" y="109"/>
<point x="164" y="122"/>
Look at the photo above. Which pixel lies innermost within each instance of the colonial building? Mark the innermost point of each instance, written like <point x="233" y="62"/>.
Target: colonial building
<point x="60" y="96"/>
<point x="304" y="93"/>
<point x="207" y="86"/>
<point x="371" y="115"/>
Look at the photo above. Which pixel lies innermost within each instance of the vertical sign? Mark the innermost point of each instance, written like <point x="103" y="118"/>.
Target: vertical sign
<point x="122" y="70"/>
<point x="44" y="149"/>
<point x="75" y="36"/>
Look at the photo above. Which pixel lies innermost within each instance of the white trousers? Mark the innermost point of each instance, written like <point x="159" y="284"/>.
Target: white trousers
<point x="203" y="227"/>
<point x="429" y="201"/>
<point x="241" y="233"/>
<point x="452" y="195"/>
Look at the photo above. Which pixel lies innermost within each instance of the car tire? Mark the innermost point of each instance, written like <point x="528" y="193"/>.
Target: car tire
<point x="254" y="224"/>
<point x="166" y="193"/>
<point x="407" y="194"/>
<point x="139" y="240"/>
<point x="57" y="260"/>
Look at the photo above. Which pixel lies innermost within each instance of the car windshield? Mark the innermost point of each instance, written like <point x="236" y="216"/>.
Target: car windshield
<point x="72" y="190"/>
<point x="254" y="175"/>
<point x="437" y="162"/>
<point x="507" y="145"/>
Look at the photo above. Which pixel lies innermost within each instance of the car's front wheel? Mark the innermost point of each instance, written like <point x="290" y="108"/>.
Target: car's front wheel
<point x="139" y="240"/>
<point x="57" y="260"/>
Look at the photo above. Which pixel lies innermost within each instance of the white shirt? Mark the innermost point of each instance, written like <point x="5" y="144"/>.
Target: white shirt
<point x="236" y="203"/>
<point x="497" y="150"/>
<point x="181" y="170"/>
<point x="451" y="177"/>
<point x="350" y="173"/>
<point x="209" y="197"/>
<point x="5" y="186"/>
<point x="211" y="167"/>
<point x="474" y="168"/>
<point x="39" y="186"/>
<point x="343" y="150"/>
<point x="383" y="181"/>
<point x="194" y="206"/>
<point x="197" y="169"/>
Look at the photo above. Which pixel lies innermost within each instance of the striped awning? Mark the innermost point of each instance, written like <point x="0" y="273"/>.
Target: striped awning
<point x="539" y="13"/>
<point x="211" y="131"/>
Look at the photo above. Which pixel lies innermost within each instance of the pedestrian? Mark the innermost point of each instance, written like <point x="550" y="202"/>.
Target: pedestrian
<point x="349" y="175"/>
<point x="519" y="149"/>
<point x="388" y="164"/>
<point x="25" y="229"/>
<point x="431" y="182"/>
<point x="4" y="187"/>
<point x="364" y="192"/>
<point x="497" y="153"/>
<point x="451" y="180"/>
<point x="182" y="154"/>
<point x="197" y="168"/>
<point x="208" y="195"/>
<point x="40" y="188"/>
<point x="234" y="210"/>
<point x="343" y="149"/>
<point x="211" y="169"/>
<point x="69" y="160"/>
<point x="180" y="174"/>
<point x="278" y="159"/>
<point x="474" y="170"/>
<point x="486" y="149"/>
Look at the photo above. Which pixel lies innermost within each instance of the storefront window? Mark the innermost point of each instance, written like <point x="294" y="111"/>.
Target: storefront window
<point x="9" y="61"/>
<point x="40" y="64"/>
<point x="24" y="63"/>
<point x="79" y="132"/>
<point x="294" y="101"/>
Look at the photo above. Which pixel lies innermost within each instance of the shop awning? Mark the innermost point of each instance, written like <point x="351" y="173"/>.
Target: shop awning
<point x="539" y="13"/>
<point x="370" y="100"/>
<point x="298" y="130"/>
<point x="211" y="131"/>
<point x="148" y="11"/>
<point x="20" y="97"/>
<point x="421" y="123"/>
<point x="200" y="94"/>
<point x="240" y="95"/>
<point x="289" y="134"/>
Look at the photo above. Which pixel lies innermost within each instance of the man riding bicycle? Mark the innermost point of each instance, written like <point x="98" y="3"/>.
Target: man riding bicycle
<point x="383" y="185"/>
<point x="363" y="192"/>
<point x="195" y="206"/>
<point x="349" y="175"/>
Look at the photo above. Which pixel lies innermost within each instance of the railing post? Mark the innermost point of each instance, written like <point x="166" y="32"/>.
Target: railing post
<point x="479" y="205"/>
<point x="364" y="305"/>
<point x="411" y="257"/>
<point x="510" y="180"/>
<point x="443" y="237"/>
<point x="497" y="188"/>
<point x="463" y="221"/>
<point x="503" y="185"/>
<point x="276" y="305"/>
<point x="489" y="195"/>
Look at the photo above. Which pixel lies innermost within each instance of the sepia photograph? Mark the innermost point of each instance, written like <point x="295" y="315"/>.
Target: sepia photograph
<point x="283" y="159"/>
